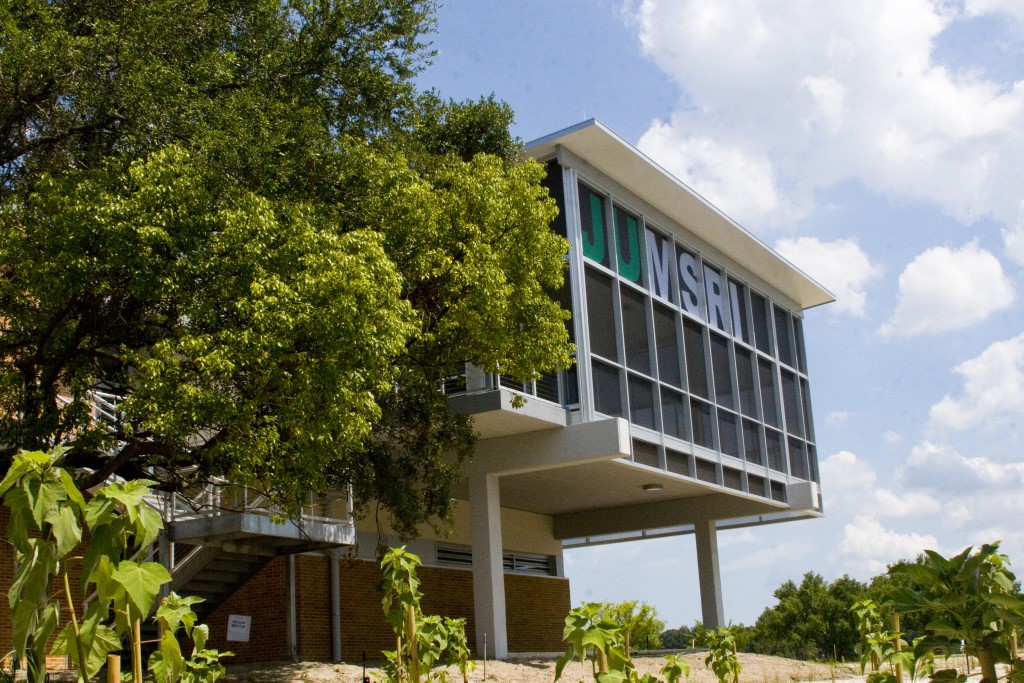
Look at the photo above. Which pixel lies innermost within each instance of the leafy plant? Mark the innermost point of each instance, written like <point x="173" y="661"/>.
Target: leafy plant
<point x="722" y="656"/>
<point x="973" y="603"/>
<point x="879" y="645"/>
<point x="588" y="628"/>
<point x="422" y="642"/>
<point x="48" y="516"/>
<point x="167" y="664"/>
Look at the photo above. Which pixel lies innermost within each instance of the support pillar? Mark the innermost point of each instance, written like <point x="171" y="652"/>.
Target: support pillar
<point x="293" y="639"/>
<point x="335" y="573"/>
<point x="712" y="612"/>
<point x="488" y="567"/>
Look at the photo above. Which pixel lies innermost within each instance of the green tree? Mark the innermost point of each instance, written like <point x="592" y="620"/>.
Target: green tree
<point x="810" y="621"/>
<point x="639" y="623"/>
<point x="682" y="638"/>
<point x="240" y="220"/>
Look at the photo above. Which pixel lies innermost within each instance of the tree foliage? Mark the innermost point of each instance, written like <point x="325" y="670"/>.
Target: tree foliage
<point x="812" y="620"/>
<point x="638" y="621"/>
<point x="241" y="220"/>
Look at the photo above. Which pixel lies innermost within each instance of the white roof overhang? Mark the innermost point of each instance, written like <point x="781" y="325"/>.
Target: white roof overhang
<point x="630" y="168"/>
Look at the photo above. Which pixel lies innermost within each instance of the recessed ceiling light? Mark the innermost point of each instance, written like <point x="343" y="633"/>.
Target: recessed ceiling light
<point x="653" y="487"/>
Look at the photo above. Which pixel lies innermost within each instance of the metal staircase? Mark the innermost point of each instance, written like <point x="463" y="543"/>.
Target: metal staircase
<point x="218" y="537"/>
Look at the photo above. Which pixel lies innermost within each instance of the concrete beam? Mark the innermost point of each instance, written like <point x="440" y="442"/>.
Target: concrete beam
<point x="535" y="451"/>
<point x="659" y="514"/>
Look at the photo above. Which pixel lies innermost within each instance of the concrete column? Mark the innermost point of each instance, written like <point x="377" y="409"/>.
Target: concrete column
<point x="712" y="612"/>
<point x="335" y="573"/>
<point x="488" y="569"/>
<point x="293" y="640"/>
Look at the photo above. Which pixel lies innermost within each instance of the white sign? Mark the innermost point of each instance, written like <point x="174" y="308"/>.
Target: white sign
<point x="238" y="627"/>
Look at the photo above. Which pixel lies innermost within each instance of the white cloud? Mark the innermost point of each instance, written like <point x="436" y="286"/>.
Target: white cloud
<point x="1011" y="8"/>
<point x="993" y="389"/>
<point x="851" y="485"/>
<point x="737" y="183"/>
<point x="892" y="438"/>
<point x="814" y="93"/>
<point x="1013" y="239"/>
<point x="980" y="497"/>
<point x="840" y="265"/>
<point x="837" y="418"/>
<point x="948" y="289"/>
<point x="769" y="556"/>
<point x="868" y="544"/>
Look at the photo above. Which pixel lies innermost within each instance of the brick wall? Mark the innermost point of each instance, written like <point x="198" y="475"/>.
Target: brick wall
<point x="264" y="598"/>
<point x="535" y="610"/>
<point x="313" y="604"/>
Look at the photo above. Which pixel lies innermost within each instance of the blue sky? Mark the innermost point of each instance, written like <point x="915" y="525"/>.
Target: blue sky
<point x="879" y="146"/>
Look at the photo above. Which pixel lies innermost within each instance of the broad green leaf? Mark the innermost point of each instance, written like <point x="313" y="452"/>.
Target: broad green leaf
<point x="141" y="583"/>
<point x="71" y="490"/>
<point x="97" y="639"/>
<point x="130" y="494"/>
<point x="178" y="612"/>
<point x="563" y="661"/>
<point x="102" y="543"/>
<point x="166" y="663"/>
<point x="148" y="526"/>
<point x="18" y="469"/>
<point x="98" y="511"/>
<point x="66" y="529"/>
<point x="44" y="497"/>
<point x="200" y="634"/>
<point x="25" y="619"/>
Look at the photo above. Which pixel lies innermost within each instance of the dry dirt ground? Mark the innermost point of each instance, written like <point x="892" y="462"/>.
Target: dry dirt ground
<point x="756" y="669"/>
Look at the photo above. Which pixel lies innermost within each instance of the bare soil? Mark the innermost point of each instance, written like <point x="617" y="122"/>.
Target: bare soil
<point x="756" y="669"/>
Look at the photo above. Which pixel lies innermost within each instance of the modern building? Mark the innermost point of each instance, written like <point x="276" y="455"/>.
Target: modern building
<point x="688" y="412"/>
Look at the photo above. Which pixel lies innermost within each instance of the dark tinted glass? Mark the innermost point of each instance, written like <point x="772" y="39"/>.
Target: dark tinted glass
<point x="634" y="330"/>
<point x="722" y="371"/>
<point x="601" y="315"/>
<point x="666" y="339"/>
<point x="696" y="368"/>
<point x="641" y="402"/>
<point x="607" y="396"/>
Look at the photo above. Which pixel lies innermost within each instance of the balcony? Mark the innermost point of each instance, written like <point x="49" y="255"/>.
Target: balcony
<point x="504" y="406"/>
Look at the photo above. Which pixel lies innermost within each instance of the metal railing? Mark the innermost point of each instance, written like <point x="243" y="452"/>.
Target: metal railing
<point x="473" y="379"/>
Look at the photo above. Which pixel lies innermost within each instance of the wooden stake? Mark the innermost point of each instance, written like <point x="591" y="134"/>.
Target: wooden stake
<point x="113" y="668"/>
<point x="414" y="654"/>
<point x="899" y="644"/>
<point x="137" y="650"/>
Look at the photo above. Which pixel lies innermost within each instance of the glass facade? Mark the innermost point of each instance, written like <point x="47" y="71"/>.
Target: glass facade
<point x="688" y="351"/>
